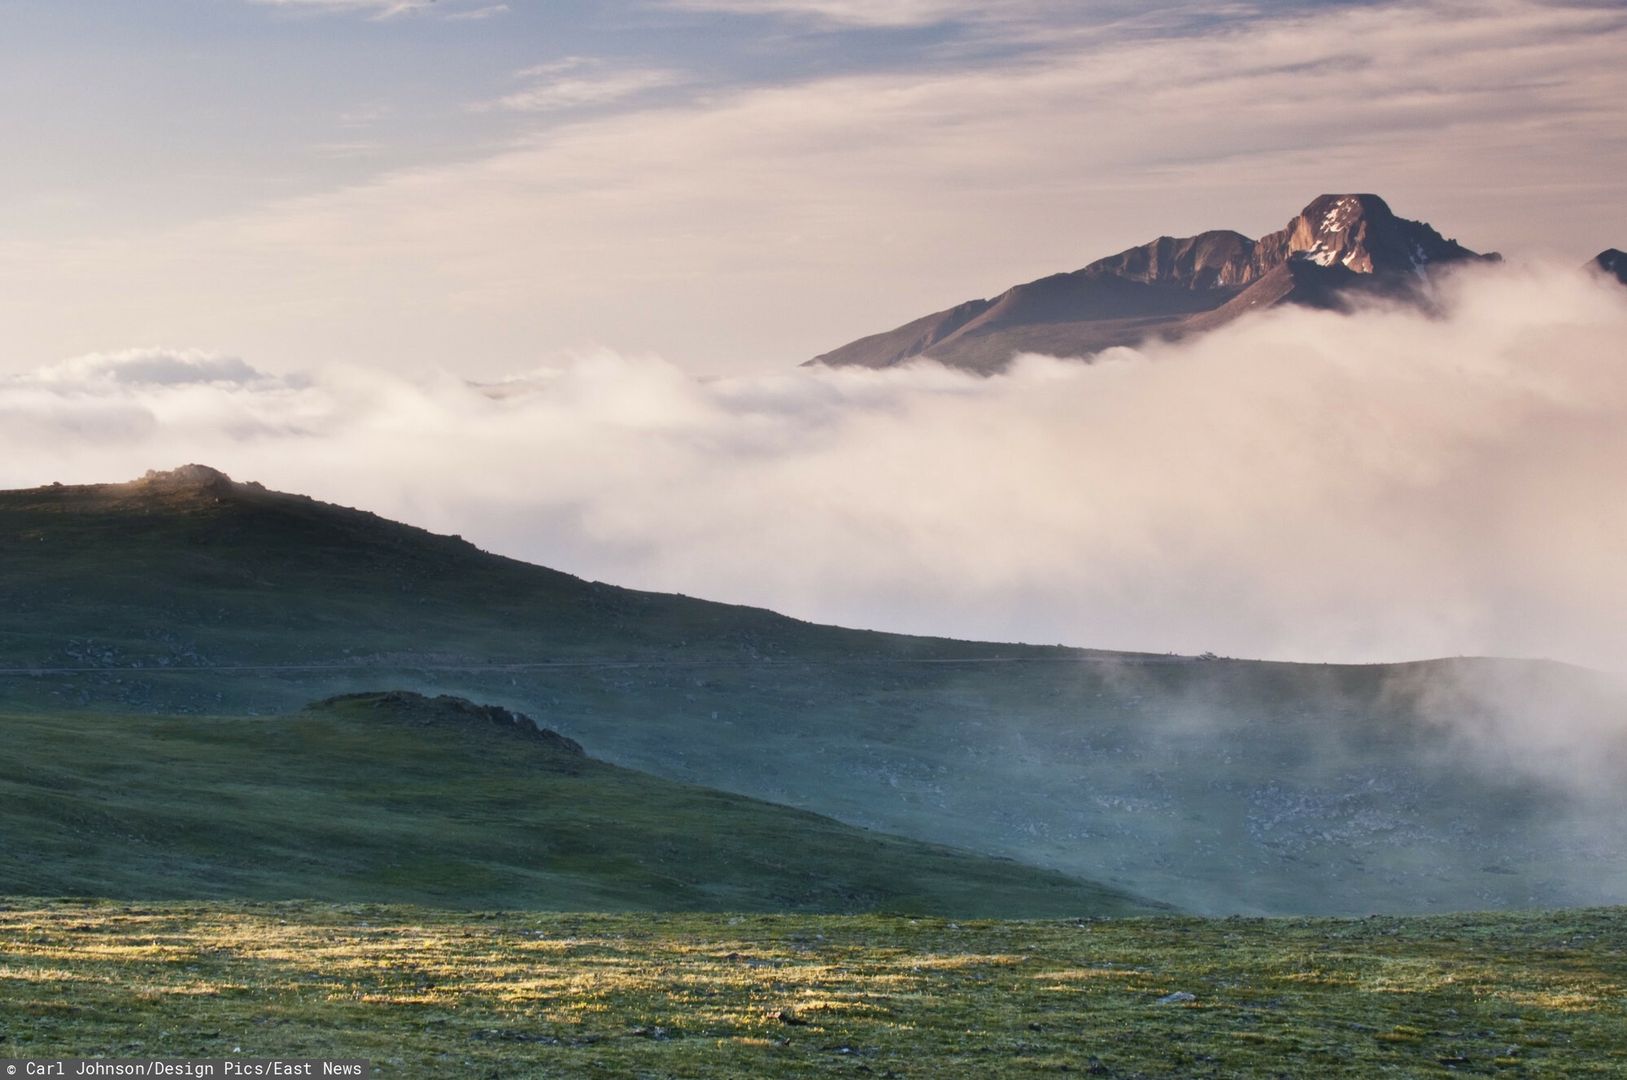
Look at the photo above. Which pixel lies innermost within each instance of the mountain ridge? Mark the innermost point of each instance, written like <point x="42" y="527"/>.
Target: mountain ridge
<point x="1611" y="261"/>
<point x="1174" y="286"/>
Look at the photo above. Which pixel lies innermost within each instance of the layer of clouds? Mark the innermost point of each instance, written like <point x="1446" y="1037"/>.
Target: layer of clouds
<point x="1301" y="485"/>
<point x="149" y="368"/>
<point x="767" y="224"/>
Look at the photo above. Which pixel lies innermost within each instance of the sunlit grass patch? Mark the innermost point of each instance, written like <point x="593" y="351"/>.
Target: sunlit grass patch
<point x="425" y="993"/>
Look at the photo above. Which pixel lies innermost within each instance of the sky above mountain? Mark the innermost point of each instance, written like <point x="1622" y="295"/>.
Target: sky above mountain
<point x="484" y="187"/>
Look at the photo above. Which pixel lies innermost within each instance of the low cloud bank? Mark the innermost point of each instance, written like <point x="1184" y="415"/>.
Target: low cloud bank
<point x="1301" y="485"/>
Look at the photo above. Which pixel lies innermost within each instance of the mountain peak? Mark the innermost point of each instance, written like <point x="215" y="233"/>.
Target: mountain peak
<point x="1612" y="261"/>
<point x="1174" y="286"/>
<point x="1360" y="232"/>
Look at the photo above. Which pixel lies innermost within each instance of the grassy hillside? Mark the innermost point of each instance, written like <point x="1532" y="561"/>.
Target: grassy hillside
<point x="426" y="993"/>
<point x="190" y="568"/>
<point x="1220" y="785"/>
<point x="392" y="797"/>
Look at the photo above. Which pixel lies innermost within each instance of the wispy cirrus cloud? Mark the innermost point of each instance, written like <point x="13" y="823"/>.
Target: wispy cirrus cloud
<point x="388" y="9"/>
<point x="383" y="9"/>
<point x="871" y="13"/>
<point x="578" y="82"/>
<point x="474" y="14"/>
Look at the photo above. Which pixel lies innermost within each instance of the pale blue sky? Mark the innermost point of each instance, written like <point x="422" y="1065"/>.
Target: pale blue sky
<point x="734" y="184"/>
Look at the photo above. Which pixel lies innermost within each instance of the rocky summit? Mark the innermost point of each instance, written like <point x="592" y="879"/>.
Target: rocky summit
<point x="186" y="478"/>
<point x="1612" y="261"/>
<point x="1173" y="286"/>
<point x="406" y="706"/>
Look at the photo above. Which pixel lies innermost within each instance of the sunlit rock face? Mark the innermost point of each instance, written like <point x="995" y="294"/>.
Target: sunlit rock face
<point x="1361" y="234"/>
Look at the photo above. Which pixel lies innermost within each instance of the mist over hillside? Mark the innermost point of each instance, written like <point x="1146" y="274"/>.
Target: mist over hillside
<point x="1217" y="785"/>
<point x="464" y="611"/>
<point x="1378" y="485"/>
<point x="1392" y="480"/>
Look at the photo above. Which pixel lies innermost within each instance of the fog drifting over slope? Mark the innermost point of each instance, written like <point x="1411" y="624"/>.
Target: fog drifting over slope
<point x="1301" y="485"/>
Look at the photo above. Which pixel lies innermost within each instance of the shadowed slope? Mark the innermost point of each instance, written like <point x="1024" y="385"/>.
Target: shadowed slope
<point x="398" y="797"/>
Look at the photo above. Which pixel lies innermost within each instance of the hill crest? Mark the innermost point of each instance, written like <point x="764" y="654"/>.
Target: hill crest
<point x="449" y="710"/>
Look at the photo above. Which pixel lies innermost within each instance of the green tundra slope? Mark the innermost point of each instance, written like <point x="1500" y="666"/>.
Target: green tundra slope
<point x="1218" y="785"/>
<point x="397" y="797"/>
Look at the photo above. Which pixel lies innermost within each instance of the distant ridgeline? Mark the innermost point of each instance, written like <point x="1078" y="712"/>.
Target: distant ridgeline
<point x="1337" y="247"/>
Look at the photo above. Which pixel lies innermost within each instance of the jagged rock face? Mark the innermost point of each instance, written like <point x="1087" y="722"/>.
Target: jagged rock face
<point x="1358" y="232"/>
<point x="1207" y="261"/>
<point x="1362" y="234"/>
